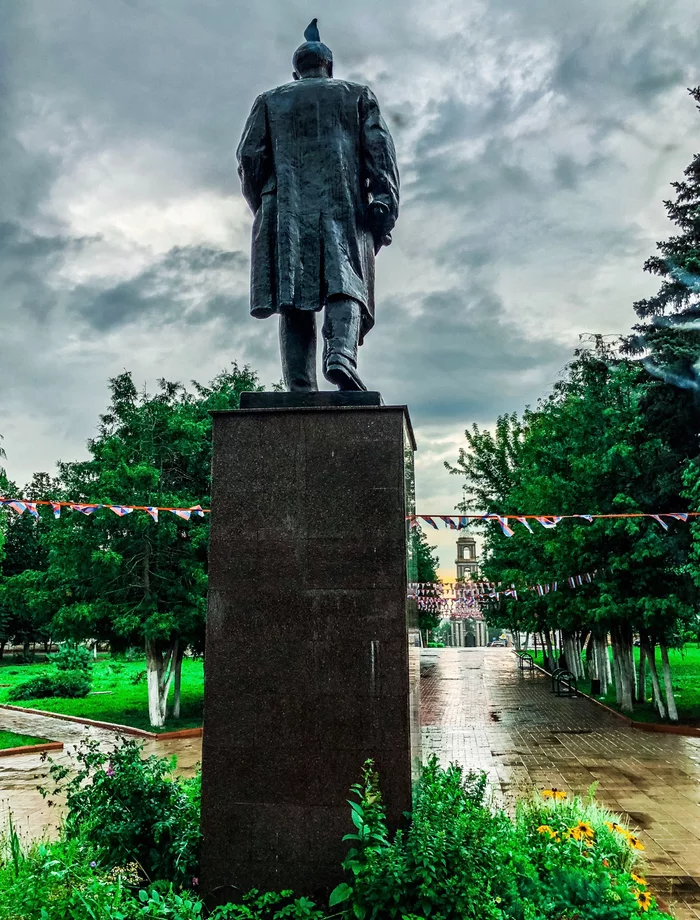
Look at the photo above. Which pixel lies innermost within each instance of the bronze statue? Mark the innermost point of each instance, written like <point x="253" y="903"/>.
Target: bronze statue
<point x="318" y="169"/>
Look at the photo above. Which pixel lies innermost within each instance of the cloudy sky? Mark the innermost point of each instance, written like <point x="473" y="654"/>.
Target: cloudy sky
<point x="536" y="141"/>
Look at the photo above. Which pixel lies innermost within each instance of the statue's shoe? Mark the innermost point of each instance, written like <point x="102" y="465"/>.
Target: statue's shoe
<point x="339" y="370"/>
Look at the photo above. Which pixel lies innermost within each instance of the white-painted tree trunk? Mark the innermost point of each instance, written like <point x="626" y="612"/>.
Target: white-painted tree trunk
<point x="616" y="672"/>
<point x="160" y="674"/>
<point x="668" y="685"/>
<point x="599" y="655"/>
<point x="642" y="682"/>
<point x="624" y="673"/>
<point x="649" y="650"/>
<point x="632" y="670"/>
<point x="178" y="681"/>
<point x="550" y="651"/>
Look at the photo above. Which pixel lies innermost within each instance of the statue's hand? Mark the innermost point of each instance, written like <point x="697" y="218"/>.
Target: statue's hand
<point x="380" y="224"/>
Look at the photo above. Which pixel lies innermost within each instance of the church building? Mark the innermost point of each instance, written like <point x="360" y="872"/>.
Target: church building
<point x="471" y="631"/>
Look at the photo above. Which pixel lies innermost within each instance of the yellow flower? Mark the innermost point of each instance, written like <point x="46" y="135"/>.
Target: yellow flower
<point x="546" y="829"/>
<point x="556" y="794"/>
<point x="635" y="842"/>
<point x="582" y="831"/>
<point x="638" y="879"/>
<point x="643" y="899"/>
<point x="617" y="827"/>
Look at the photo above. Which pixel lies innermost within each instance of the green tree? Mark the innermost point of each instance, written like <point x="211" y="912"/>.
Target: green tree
<point x="26" y="602"/>
<point x="127" y="578"/>
<point x="584" y="450"/>
<point x="426" y="566"/>
<point x="668" y="340"/>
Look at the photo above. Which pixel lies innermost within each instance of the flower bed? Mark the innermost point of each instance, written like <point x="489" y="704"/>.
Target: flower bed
<point x="129" y="845"/>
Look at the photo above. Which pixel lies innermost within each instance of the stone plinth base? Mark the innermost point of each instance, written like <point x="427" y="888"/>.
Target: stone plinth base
<point x="307" y="668"/>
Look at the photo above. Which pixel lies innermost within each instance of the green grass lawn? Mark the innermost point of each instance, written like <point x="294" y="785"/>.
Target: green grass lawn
<point x="11" y="740"/>
<point x="685" y="673"/>
<point x="118" y="698"/>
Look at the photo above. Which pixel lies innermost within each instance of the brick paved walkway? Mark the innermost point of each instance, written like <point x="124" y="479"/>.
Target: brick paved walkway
<point x="478" y="710"/>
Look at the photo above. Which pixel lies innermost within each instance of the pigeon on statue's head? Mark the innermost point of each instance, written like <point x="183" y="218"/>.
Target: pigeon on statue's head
<point x="313" y="58"/>
<point x="311" y="33"/>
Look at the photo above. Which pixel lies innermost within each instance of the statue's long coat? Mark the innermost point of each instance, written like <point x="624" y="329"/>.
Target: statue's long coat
<point x="312" y="156"/>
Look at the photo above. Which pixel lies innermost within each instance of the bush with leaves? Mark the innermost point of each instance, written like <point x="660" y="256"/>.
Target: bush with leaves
<point x="128" y="851"/>
<point x="588" y="860"/>
<point x="72" y="657"/>
<point x="456" y="858"/>
<point x="459" y="859"/>
<point x="132" y="809"/>
<point x="65" y="880"/>
<point x="65" y="684"/>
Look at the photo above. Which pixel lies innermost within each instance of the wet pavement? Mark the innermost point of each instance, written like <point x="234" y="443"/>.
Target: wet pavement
<point x="478" y="709"/>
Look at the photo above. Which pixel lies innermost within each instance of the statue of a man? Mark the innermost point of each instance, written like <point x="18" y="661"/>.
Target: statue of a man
<point x="318" y="169"/>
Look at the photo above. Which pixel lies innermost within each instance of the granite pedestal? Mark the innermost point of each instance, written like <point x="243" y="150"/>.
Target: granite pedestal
<point x="307" y="654"/>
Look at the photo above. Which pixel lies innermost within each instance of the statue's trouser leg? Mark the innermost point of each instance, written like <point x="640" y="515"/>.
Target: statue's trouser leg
<point x="341" y="334"/>
<point x="298" y="349"/>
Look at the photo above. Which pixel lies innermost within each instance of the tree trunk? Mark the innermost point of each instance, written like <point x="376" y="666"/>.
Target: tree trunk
<point x="649" y="653"/>
<point x="602" y="662"/>
<point x="631" y="669"/>
<point x="624" y="674"/>
<point x="668" y="685"/>
<point x="179" y="655"/>
<point x="592" y="668"/>
<point x="160" y="676"/>
<point x="616" y="670"/>
<point x="550" y="653"/>
<point x="642" y="683"/>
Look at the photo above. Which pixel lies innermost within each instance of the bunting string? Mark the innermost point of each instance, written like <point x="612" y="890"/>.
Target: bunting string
<point x="19" y="506"/>
<point x="451" y="521"/>
<point x="464" y="600"/>
<point x="548" y="521"/>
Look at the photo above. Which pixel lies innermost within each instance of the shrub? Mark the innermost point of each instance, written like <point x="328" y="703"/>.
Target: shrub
<point x="128" y="847"/>
<point x="72" y="657"/>
<point x="71" y="684"/>
<point x="456" y="859"/>
<point x="131" y="809"/>
<point x="560" y="860"/>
